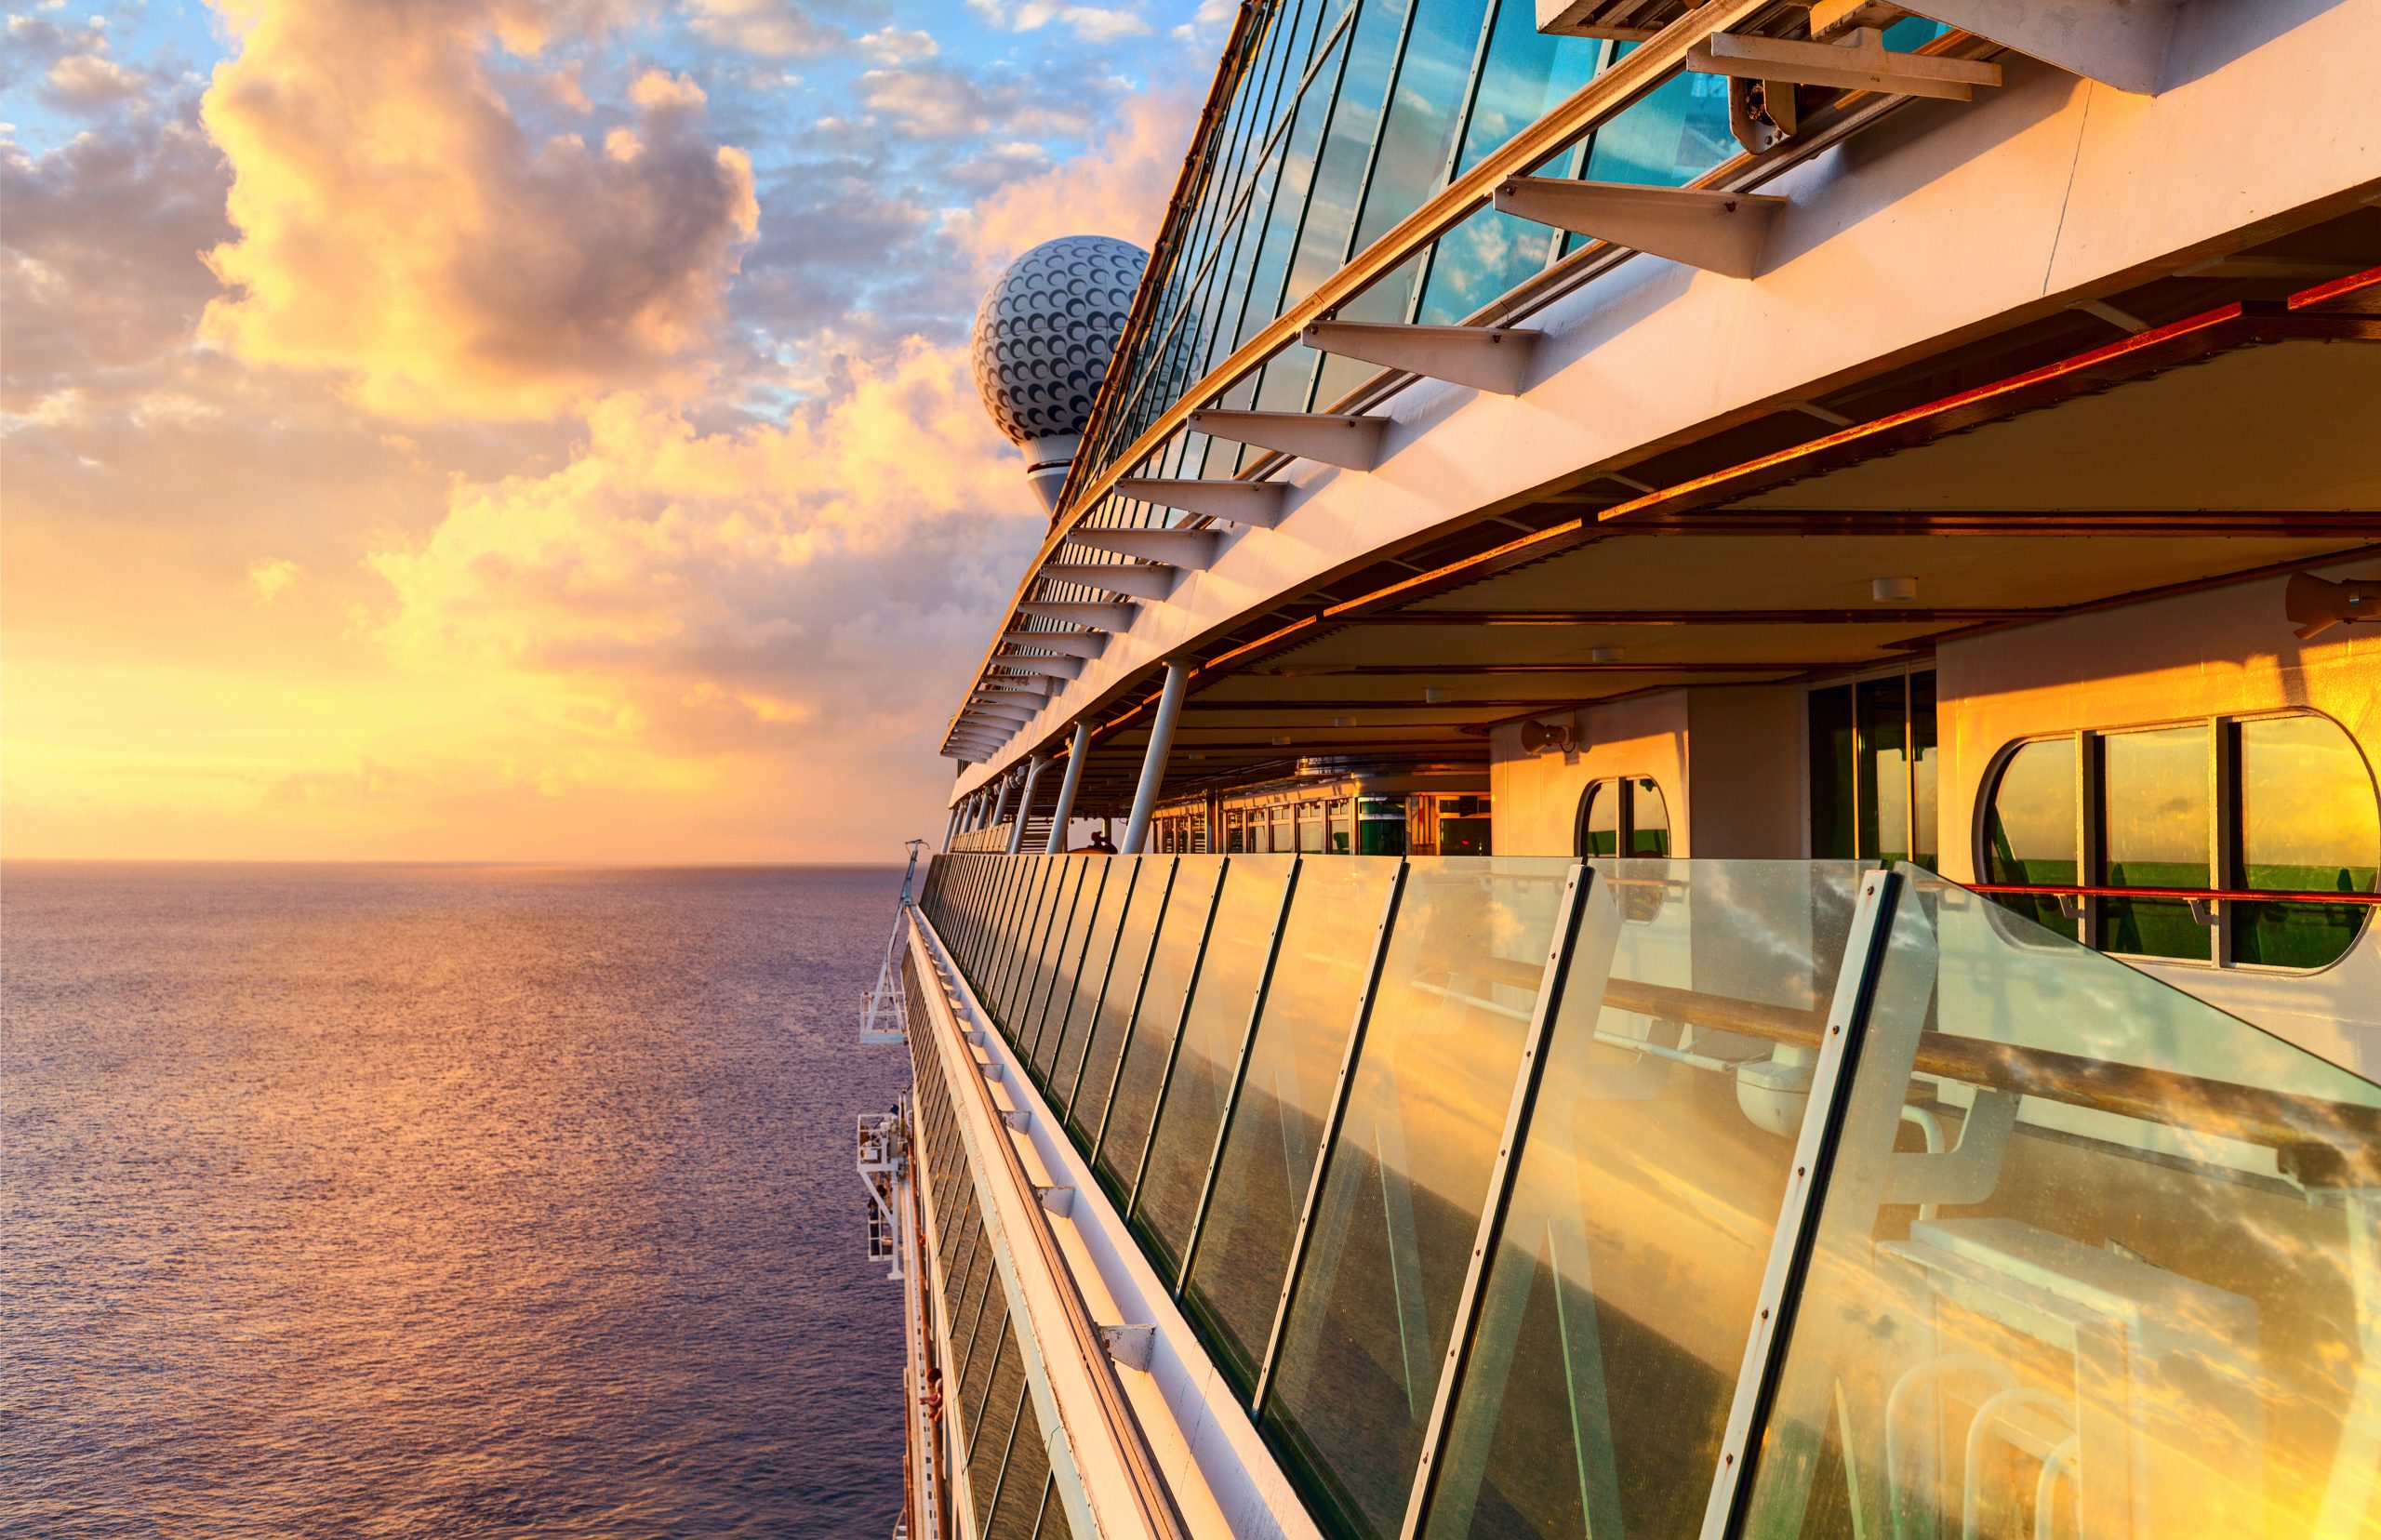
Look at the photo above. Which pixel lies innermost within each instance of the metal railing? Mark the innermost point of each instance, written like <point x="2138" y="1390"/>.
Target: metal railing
<point x="1705" y="1197"/>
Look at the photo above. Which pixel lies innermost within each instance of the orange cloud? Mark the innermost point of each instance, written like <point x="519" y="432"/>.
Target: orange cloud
<point x="398" y="226"/>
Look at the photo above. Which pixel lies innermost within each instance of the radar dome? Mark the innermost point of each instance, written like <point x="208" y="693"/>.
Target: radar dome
<point x="1044" y="338"/>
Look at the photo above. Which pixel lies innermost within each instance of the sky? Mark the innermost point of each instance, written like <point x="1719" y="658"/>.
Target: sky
<point x="526" y="429"/>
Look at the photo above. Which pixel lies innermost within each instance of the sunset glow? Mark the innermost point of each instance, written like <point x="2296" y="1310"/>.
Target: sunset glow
<point x="527" y="429"/>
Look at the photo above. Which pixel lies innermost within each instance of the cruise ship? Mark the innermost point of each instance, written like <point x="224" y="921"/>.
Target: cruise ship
<point x="1676" y="837"/>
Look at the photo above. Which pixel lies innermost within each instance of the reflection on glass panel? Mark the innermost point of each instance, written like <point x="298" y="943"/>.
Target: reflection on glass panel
<point x="1600" y="819"/>
<point x="2308" y="824"/>
<point x="1018" y="1503"/>
<point x="2096" y="1259"/>
<point x="1106" y="1045"/>
<point x="1407" y="1172"/>
<point x="988" y="1443"/>
<point x="1309" y="815"/>
<point x="1649" y="818"/>
<point x="1066" y="883"/>
<point x="1928" y="842"/>
<point x="2154" y="833"/>
<point x="1094" y="971"/>
<point x="983" y="1350"/>
<point x="1673" y="134"/>
<point x="1053" y="1525"/>
<point x="1884" y="768"/>
<point x="1526" y="73"/>
<point x="1025" y="940"/>
<point x="1615" y="1312"/>
<point x="1067" y="966"/>
<point x="1173" y="968"/>
<point x="1212" y="1032"/>
<point x="1268" y="1151"/>
<point x="2033" y="827"/>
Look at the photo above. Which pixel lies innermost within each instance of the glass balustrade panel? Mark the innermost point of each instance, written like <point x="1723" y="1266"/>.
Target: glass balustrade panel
<point x="1392" y="1228"/>
<point x="1165" y="992"/>
<point x="1269" y="1148"/>
<point x="1151" y="895"/>
<point x="1214" y="1031"/>
<point x="2094" y="1259"/>
<point x="1119" y="893"/>
<point x="1614" y="1315"/>
<point x="1068" y="968"/>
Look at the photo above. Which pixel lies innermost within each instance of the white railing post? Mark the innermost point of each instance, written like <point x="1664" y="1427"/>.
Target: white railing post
<point x="1033" y="768"/>
<point x="1076" y="753"/>
<point x="1169" y="707"/>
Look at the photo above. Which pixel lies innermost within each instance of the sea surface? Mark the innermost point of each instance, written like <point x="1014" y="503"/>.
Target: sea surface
<point x="441" y="1201"/>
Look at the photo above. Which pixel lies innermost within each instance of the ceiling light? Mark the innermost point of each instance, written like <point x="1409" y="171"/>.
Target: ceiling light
<point x="1893" y="591"/>
<point x="1434" y="697"/>
<point x="1606" y="655"/>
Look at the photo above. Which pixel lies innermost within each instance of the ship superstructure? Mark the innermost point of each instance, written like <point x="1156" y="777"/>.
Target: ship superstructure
<point x="1728" y="650"/>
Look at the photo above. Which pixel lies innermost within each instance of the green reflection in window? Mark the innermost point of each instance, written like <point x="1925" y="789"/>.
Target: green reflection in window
<point x="1213" y="1030"/>
<point x="1649" y="818"/>
<point x="1600" y="819"/>
<point x="1268" y="1151"/>
<point x="2307" y="823"/>
<point x="2154" y="832"/>
<point x="1373" y="1304"/>
<point x="2031" y="827"/>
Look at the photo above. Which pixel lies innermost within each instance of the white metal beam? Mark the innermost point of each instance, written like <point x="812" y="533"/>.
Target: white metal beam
<point x="1717" y="232"/>
<point x="1859" y="61"/>
<point x="1134" y="580"/>
<point x="1189" y="548"/>
<point x="1486" y="358"/>
<point x="2119" y="43"/>
<point x="1054" y="668"/>
<point x="1169" y="710"/>
<point x="1240" y="502"/>
<point x="1060" y="814"/>
<point x="1104" y="617"/>
<point x="1342" y="439"/>
<point x="1084" y="644"/>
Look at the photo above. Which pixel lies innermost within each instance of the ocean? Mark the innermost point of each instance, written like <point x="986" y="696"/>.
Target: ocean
<point x="441" y="1201"/>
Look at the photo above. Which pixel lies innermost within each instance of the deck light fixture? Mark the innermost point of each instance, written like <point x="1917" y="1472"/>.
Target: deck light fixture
<point x="1893" y="591"/>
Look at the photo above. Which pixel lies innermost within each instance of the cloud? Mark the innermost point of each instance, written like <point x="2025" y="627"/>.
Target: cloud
<point x="1118" y="188"/>
<point x="1092" y="23"/>
<point x="398" y="225"/>
<point x="99" y="264"/>
<point x="269" y="581"/>
<point x="774" y="29"/>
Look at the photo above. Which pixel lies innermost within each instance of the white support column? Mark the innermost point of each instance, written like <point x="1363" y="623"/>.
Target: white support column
<point x="1076" y="753"/>
<point x="1169" y="707"/>
<point x="951" y="830"/>
<point x="1025" y="803"/>
<point x="1000" y="808"/>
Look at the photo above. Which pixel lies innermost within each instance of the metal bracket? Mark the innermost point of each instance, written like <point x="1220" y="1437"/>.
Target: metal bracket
<point x="1059" y="1201"/>
<point x="991" y="1071"/>
<point x="2204" y="911"/>
<point x="1131" y="1345"/>
<point x="1858" y="61"/>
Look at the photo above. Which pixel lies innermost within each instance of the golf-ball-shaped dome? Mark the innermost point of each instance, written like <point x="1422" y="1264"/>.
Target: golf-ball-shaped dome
<point x="1046" y="330"/>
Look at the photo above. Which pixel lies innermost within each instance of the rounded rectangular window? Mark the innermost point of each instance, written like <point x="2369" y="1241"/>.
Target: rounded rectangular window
<point x="2032" y="829"/>
<point x="2308" y="824"/>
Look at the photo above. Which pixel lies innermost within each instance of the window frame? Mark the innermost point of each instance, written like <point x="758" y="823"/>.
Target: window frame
<point x="2224" y="871"/>
<point x="1625" y="828"/>
<point x="1850" y="684"/>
